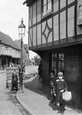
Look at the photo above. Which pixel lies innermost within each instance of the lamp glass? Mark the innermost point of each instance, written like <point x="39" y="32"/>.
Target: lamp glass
<point x="22" y="28"/>
<point x="21" y="32"/>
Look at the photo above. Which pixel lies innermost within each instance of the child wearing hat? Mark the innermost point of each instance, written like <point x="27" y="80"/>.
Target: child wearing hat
<point x="52" y="84"/>
<point x="61" y="86"/>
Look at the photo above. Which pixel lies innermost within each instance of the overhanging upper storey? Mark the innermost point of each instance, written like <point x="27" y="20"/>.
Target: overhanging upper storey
<point x="53" y="23"/>
<point x="29" y="2"/>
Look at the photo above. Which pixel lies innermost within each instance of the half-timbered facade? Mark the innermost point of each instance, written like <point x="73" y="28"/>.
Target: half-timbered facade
<point x="55" y="33"/>
<point x="7" y="55"/>
<point x="9" y="51"/>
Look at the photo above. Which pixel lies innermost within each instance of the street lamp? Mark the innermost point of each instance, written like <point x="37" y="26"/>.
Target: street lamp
<point x="21" y="29"/>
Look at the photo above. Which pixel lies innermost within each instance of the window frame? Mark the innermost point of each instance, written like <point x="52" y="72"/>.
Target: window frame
<point x="48" y="10"/>
<point x="57" y="62"/>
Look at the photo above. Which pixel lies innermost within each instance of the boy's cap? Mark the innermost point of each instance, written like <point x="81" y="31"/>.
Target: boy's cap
<point x="60" y="74"/>
<point x="52" y="71"/>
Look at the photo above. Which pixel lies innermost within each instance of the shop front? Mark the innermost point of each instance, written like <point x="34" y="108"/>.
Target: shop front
<point x="69" y="61"/>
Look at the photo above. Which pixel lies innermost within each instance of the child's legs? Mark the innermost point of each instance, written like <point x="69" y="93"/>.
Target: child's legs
<point x="54" y="97"/>
<point x="62" y="103"/>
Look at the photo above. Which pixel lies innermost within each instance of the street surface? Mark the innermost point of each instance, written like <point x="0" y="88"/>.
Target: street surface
<point x="9" y="105"/>
<point x="31" y="69"/>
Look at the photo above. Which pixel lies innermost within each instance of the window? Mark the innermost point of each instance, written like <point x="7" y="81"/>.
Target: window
<point x="61" y="62"/>
<point x="57" y="63"/>
<point x="54" y="62"/>
<point x="46" y="6"/>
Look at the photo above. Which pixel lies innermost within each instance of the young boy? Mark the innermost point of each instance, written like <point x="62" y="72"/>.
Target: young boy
<point x="61" y="86"/>
<point x="52" y="84"/>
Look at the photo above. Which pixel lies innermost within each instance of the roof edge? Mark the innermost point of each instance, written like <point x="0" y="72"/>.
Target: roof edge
<point x="28" y="2"/>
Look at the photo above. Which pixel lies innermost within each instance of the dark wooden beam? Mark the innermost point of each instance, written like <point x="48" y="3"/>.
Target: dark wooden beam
<point x="29" y="2"/>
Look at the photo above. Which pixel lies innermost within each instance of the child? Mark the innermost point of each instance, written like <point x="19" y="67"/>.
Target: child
<point x="61" y="86"/>
<point x="40" y="70"/>
<point x="14" y="80"/>
<point x="52" y="84"/>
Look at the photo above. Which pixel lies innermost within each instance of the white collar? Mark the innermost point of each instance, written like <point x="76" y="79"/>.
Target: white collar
<point x="60" y="80"/>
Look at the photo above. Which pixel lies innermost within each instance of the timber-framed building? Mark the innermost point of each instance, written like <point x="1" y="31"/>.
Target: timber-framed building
<point x="55" y="33"/>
